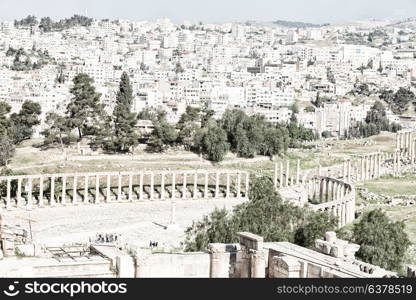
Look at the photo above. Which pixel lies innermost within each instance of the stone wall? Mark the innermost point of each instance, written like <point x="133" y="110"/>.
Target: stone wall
<point x="173" y="265"/>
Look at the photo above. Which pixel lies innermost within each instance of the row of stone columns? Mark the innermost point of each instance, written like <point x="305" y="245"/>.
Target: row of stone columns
<point x="236" y="185"/>
<point x="325" y="189"/>
<point x="347" y="170"/>
<point x="404" y="141"/>
<point x="370" y="166"/>
<point x="283" y="178"/>
<point x="344" y="210"/>
<point x="334" y="196"/>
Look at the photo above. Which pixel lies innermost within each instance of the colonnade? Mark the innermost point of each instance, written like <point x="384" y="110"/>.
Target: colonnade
<point x="283" y="177"/>
<point x="335" y="192"/>
<point x="334" y="196"/>
<point x="29" y="191"/>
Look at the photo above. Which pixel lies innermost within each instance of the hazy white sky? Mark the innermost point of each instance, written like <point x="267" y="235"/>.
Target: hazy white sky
<point x="319" y="11"/>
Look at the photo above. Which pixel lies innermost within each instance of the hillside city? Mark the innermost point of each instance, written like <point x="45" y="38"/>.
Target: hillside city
<point x="259" y="68"/>
<point x="253" y="149"/>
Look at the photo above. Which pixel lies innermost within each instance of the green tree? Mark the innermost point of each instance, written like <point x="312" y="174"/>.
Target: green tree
<point x="265" y="214"/>
<point x="146" y="114"/>
<point x="85" y="105"/>
<point x="124" y="120"/>
<point x="375" y="122"/>
<point x="163" y="135"/>
<point x="398" y="101"/>
<point x="212" y="141"/>
<point x="188" y="125"/>
<point x="7" y="149"/>
<point x="382" y="242"/>
<point x="5" y="109"/>
<point x="58" y="130"/>
<point x="24" y="122"/>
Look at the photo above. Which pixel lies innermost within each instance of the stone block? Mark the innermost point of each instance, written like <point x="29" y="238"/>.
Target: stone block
<point x="330" y="237"/>
<point x="250" y="240"/>
<point x="25" y="250"/>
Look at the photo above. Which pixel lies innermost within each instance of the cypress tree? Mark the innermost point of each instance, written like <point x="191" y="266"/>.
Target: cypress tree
<point x="124" y="120"/>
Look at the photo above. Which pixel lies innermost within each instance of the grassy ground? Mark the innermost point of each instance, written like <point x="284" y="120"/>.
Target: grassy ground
<point x="29" y="159"/>
<point x="397" y="187"/>
<point x="393" y="186"/>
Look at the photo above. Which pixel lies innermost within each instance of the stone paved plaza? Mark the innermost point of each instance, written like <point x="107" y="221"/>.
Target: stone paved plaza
<point x="137" y="223"/>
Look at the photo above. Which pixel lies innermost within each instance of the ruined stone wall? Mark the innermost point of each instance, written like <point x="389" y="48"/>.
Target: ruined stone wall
<point x="156" y="265"/>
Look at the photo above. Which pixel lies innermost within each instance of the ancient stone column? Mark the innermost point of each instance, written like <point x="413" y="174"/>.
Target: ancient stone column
<point x="141" y="196"/>
<point x="184" y="189"/>
<point x="152" y="185"/>
<point x="19" y="192"/>
<point x="206" y="185"/>
<point x="52" y="190"/>
<point x="334" y="190"/>
<point x="8" y="194"/>
<point x="196" y="184"/>
<point x="401" y="141"/>
<point x="29" y="193"/>
<point x="318" y="189"/>
<point x="119" y="188"/>
<point x="344" y="170"/>
<point x="97" y="188"/>
<point x="238" y="184"/>
<point x="258" y="264"/>
<point x="366" y="167"/>
<point x="398" y="141"/>
<point x="108" y="197"/>
<point x="287" y="173"/>
<point x="414" y="151"/>
<point x="349" y="170"/>
<point x="86" y="190"/>
<point x="339" y="191"/>
<point x="369" y="166"/>
<point x="281" y="175"/>
<point x="41" y="191"/>
<point x="342" y="214"/>
<point x="247" y="184"/>
<point x="217" y="185"/>
<point x="362" y="175"/>
<point x="373" y="165"/>
<point x="328" y="188"/>
<point x="162" y="186"/>
<point x="297" y="171"/>
<point x="321" y="190"/>
<point x="219" y="261"/>
<point x="74" y="190"/>
<point x="63" y="200"/>
<point x="173" y="185"/>
<point x="379" y="159"/>
<point x="227" y="193"/>
<point x="130" y="187"/>
<point x="275" y="176"/>
<point x="398" y="164"/>
<point x="409" y="140"/>
<point x="339" y="216"/>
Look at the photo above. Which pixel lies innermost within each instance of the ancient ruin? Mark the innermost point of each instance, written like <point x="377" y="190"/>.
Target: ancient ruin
<point x="34" y="191"/>
<point x="333" y="189"/>
<point x="328" y="189"/>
